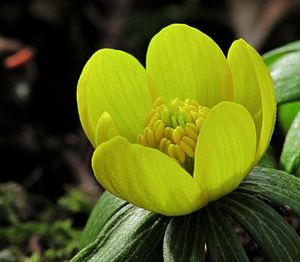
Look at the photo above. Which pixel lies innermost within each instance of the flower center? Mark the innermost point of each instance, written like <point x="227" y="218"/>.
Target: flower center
<point x="173" y="128"/>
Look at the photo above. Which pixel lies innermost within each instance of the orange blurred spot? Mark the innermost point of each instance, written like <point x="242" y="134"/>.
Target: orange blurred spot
<point x="18" y="59"/>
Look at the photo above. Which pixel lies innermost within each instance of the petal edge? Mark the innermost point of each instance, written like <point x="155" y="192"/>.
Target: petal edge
<point x="183" y="62"/>
<point x="113" y="81"/>
<point x="225" y="149"/>
<point x="146" y="178"/>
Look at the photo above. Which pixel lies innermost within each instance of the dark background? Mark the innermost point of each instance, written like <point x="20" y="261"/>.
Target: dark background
<point x="45" y="179"/>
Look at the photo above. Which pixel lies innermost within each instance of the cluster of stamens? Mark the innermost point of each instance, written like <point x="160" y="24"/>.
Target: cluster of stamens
<point x="173" y="128"/>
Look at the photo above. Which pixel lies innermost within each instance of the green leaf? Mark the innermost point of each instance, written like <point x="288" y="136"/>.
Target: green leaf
<point x="277" y="186"/>
<point x="284" y="65"/>
<point x="132" y="234"/>
<point x="276" y="238"/>
<point x="285" y="73"/>
<point x="104" y="209"/>
<point x="287" y="113"/>
<point x="184" y="240"/>
<point x="290" y="156"/>
<point x="277" y="53"/>
<point x="222" y="243"/>
<point x="268" y="159"/>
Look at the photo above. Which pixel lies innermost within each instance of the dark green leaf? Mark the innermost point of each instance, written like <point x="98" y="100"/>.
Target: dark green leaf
<point x="183" y="241"/>
<point x="290" y="156"/>
<point x="276" y="238"/>
<point x="285" y="73"/>
<point x="222" y="243"/>
<point x="105" y="208"/>
<point x="132" y="234"/>
<point x="268" y="159"/>
<point x="277" y="53"/>
<point x="275" y="185"/>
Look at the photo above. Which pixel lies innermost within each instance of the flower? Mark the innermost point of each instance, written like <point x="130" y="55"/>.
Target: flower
<point x="182" y="132"/>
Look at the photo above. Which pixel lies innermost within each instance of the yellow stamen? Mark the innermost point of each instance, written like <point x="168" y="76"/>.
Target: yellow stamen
<point x="199" y="122"/>
<point x="173" y="128"/>
<point x="153" y="119"/>
<point x="179" y="153"/>
<point x="162" y="144"/>
<point x="159" y="130"/>
<point x="168" y="132"/>
<point x="188" y="146"/>
<point x="178" y="133"/>
<point x="149" y="136"/>
<point x="191" y="131"/>
<point x="171" y="151"/>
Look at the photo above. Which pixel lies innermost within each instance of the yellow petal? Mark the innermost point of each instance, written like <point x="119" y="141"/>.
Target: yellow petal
<point x="254" y="89"/>
<point x="113" y="81"/>
<point x="185" y="63"/>
<point x="146" y="178"/>
<point x="225" y="149"/>
<point x="105" y="129"/>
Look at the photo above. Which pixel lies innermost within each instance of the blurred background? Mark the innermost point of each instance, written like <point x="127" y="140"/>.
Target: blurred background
<point x="47" y="189"/>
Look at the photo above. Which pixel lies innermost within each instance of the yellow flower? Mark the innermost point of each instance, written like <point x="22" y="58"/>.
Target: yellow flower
<point x="182" y="132"/>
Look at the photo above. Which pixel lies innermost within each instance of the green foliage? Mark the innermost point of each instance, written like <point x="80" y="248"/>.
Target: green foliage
<point x="276" y="238"/>
<point x="274" y="55"/>
<point x="284" y="65"/>
<point x="13" y="203"/>
<point x="62" y="240"/>
<point x="133" y="234"/>
<point x="106" y="207"/>
<point x="61" y="230"/>
<point x="268" y="159"/>
<point x="290" y="156"/>
<point x="222" y="243"/>
<point x="26" y="232"/>
<point x="277" y="186"/>
<point x="75" y="201"/>
<point x="286" y="114"/>
<point x="285" y="73"/>
<point x="184" y="239"/>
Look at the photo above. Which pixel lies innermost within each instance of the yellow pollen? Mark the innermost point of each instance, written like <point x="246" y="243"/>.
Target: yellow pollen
<point x="173" y="128"/>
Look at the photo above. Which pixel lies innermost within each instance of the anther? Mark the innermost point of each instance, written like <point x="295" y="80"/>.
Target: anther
<point x="167" y="145"/>
<point x="142" y="140"/>
<point x="149" y="136"/>
<point x="153" y="119"/>
<point x="179" y="154"/>
<point x="171" y="151"/>
<point x="188" y="146"/>
<point x="194" y="115"/>
<point x="168" y="132"/>
<point x="159" y="131"/>
<point x="162" y="144"/>
<point x="178" y="133"/>
<point x="199" y="122"/>
<point x="173" y="128"/>
<point x="190" y="131"/>
<point x="158" y="101"/>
